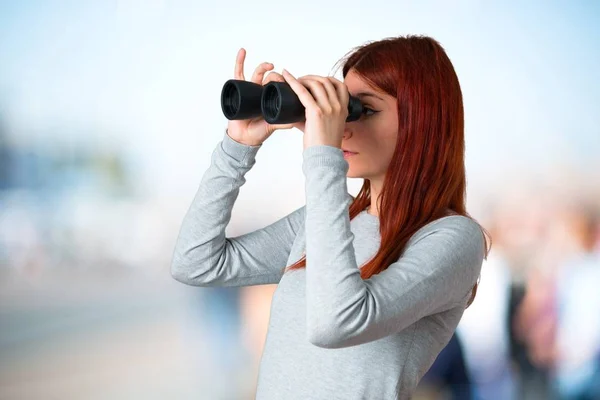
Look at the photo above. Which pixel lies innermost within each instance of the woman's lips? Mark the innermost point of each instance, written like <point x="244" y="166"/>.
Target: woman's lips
<point x="348" y="153"/>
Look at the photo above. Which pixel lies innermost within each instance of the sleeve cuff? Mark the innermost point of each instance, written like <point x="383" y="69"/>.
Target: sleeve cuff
<point x="324" y="156"/>
<point x="240" y="152"/>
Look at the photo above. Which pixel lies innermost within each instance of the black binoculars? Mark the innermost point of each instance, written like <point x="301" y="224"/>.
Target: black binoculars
<point x="275" y="101"/>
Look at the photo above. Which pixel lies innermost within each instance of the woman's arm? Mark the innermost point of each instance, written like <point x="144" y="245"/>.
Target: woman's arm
<point x="437" y="271"/>
<point x="203" y="255"/>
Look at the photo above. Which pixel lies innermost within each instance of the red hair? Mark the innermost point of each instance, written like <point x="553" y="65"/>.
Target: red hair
<point x="426" y="175"/>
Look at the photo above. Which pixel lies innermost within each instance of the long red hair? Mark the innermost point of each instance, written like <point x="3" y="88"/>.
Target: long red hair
<point x="426" y="175"/>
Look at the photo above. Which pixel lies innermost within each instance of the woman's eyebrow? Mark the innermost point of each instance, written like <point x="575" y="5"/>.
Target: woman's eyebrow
<point x="367" y="94"/>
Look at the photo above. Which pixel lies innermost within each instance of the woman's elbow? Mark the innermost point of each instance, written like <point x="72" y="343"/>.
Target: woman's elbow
<point x="180" y="272"/>
<point x="189" y="274"/>
<point x="321" y="332"/>
<point x="324" y="341"/>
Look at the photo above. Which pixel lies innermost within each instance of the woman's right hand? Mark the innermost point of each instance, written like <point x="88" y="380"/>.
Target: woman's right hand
<point x="255" y="131"/>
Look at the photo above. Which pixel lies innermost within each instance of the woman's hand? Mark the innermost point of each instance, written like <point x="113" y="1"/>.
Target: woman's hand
<point x="326" y="102"/>
<point x="255" y="131"/>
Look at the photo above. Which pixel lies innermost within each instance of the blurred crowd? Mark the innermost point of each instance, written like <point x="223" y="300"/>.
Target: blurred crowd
<point x="533" y="331"/>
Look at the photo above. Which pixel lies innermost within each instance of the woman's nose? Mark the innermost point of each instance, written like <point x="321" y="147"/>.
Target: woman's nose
<point x="347" y="132"/>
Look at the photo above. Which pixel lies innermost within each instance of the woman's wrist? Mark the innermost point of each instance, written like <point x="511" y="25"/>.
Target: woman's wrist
<point x="241" y="141"/>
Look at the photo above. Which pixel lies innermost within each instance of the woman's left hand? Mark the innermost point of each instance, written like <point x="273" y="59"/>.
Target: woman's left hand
<point x="326" y="102"/>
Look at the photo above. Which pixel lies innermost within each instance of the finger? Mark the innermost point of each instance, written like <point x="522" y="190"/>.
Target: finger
<point x="238" y="72"/>
<point x="283" y="126"/>
<point x="319" y="93"/>
<point x="332" y="92"/>
<point x="259" y="72"/>
<point x="273" y="77"/>
<point x="303" y="94"/>
<point x="342" y="91"/>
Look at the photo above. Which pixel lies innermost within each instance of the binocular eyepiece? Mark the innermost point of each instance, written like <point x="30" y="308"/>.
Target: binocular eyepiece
<point x="275" y="101"/>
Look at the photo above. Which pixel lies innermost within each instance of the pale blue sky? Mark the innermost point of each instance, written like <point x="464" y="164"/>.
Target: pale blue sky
<point x="148" y="74"/>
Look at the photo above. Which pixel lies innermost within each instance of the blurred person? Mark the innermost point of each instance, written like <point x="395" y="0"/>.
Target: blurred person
<point x="448" y="377"/>
<point x="531" y="314"/>
<point x="397" y="264"/>
<point x="534" y="326"/>
<point x="576" y="375"/>
<point x="211" y="335"/>
<point x="536" y="316"/>
<point x="484" y="328"/>
<point x="223" y="356"/>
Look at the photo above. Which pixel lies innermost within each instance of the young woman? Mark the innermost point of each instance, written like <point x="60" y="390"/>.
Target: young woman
<point x="375" y="285"/>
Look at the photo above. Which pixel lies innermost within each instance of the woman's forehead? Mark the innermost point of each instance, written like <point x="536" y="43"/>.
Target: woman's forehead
<point x="357" y="85"/>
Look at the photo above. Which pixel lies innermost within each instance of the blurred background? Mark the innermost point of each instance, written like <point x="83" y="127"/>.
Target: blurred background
<point x="109" y="112"/>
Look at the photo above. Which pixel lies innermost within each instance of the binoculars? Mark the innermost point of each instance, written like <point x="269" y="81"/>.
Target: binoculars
<point x="275" y="101"/>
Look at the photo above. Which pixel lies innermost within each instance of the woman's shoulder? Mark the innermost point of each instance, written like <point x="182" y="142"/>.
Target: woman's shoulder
<point x="454" y="230"/>
<point x="455" y="243"/>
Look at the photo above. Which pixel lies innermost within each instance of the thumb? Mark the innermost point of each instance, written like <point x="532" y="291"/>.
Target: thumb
<point x="283" y="126"/>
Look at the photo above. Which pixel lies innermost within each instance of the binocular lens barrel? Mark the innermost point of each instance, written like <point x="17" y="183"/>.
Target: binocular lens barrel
<point x="231" y="100"/>
<point x="241" y="99"/>
<point x="270" y="103"/>
<point x="280" y="104"/>
<point x="276" y="102"/>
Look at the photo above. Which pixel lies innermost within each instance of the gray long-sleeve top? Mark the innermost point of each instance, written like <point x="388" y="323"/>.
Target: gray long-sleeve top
<point x="331" y="334"/>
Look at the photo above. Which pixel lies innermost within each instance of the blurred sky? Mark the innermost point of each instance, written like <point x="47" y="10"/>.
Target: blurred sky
<point x="147" y="75"/>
